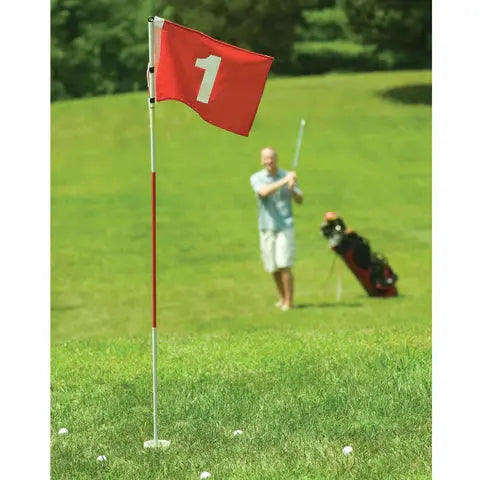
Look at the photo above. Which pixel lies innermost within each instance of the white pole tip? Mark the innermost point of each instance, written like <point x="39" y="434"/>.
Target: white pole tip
<point x="303" y="122"/>
<point x="159" y="444"/>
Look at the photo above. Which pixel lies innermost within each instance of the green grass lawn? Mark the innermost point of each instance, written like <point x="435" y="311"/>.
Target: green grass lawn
<point x="300" y="384"/>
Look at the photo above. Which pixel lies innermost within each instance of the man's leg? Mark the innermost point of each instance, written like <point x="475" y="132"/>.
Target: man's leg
<point x="287" y="282"/>
<point x="267" y="249"/>
<point x="277" y="276"/>
<point x="285" y="256"/>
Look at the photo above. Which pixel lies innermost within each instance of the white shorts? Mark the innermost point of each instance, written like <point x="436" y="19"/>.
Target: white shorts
<point x="277" y="249"/>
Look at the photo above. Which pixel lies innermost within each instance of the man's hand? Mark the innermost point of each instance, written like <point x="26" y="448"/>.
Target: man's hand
<point x="289" y="179"/>
<point x="297" y="194"/>
<point x="292" y="180"/>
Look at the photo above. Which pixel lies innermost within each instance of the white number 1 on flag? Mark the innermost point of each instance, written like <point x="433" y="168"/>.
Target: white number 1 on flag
<point x="210" y="65"/>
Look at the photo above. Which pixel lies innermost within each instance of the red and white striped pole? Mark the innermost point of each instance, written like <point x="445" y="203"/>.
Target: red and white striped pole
<point x="152" y="23"/>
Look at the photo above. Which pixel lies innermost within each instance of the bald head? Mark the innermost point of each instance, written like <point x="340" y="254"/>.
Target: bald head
<point x="268" y="152"/>
<point x="269" y="160"/>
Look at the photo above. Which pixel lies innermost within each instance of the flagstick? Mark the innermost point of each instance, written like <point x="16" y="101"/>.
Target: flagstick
<point x="151" y="110"/>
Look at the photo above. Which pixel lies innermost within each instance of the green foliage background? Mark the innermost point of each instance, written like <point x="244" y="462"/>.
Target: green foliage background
<point x="100" y="46"/>
<point x="401" y="26"/>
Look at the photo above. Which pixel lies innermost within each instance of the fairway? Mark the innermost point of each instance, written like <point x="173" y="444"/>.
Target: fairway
<point x="300" y="384"/>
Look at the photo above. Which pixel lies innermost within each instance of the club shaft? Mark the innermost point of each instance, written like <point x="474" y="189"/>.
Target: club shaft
<point x="299" y="144"/>
<point x="339" y="282"/>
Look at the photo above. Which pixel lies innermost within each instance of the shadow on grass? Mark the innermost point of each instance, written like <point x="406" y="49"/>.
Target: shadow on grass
<point x="64" y="308"/>
<point x="410" y="94"/>
<point x="327" y="305"/>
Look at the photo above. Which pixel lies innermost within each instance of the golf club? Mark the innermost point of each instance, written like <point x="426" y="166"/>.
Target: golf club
<point x="329" y="276"/>
<point x="339" y="282"/>
<point x="299" y="143"/>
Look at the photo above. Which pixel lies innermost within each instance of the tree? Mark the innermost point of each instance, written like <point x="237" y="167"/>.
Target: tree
<point x="403" y="27"/>
<point x="97" y="47"/>
<point x="264" y="26"/>
<point x="100" y="46"/>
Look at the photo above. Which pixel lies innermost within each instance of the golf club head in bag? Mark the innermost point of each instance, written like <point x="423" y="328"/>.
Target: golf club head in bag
<point x="371" y="269"/>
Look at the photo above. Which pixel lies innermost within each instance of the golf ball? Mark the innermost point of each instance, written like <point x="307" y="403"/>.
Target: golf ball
<point x="205" y="475"/>
<point x="347" y="450"/>
<point x="237" y="432"/>
<point x="62" y="431"/>
<point x="101" y="458"/>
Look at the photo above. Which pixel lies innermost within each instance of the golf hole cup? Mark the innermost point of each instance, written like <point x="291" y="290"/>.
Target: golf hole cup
<point x="163" y="444"/>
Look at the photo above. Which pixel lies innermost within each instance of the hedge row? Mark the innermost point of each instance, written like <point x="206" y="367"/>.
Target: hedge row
<point x="338" y="55"/>
<point x="322" y="25"/>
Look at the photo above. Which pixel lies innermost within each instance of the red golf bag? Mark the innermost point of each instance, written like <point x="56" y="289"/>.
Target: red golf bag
<point x="371" y="269"/>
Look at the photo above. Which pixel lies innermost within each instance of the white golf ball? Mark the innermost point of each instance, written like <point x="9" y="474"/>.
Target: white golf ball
<point x="62" y="431"/>
<point x="347" y="450"/>
<point x="237" y="432"/>
<point x="205" y="475"/>
<point x="101" y="458"/>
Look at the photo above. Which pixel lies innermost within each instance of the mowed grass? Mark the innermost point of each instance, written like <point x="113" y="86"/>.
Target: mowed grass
<point x="300" y="384"/>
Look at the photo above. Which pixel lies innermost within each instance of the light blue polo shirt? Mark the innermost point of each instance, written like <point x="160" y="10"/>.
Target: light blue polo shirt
<point x="275" y="210"/>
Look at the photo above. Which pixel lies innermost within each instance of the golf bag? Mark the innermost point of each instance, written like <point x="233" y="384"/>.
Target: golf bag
<point x="371" y="269"/>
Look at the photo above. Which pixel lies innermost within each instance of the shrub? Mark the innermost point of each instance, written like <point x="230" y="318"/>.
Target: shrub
<point x="322" y="57"/>
<point x="322" y="25"/>
<point x="403" y="27"/>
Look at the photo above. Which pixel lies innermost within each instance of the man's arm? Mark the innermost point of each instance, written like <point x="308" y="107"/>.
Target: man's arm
<point x="297" y="195"/>
<point x="267" y="190"/>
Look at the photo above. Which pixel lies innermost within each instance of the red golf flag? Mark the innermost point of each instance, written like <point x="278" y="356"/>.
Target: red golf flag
<point x="221" y="82"/>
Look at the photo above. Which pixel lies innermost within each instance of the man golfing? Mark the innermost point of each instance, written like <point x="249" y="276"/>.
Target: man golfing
<point x="275" y="189"/>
